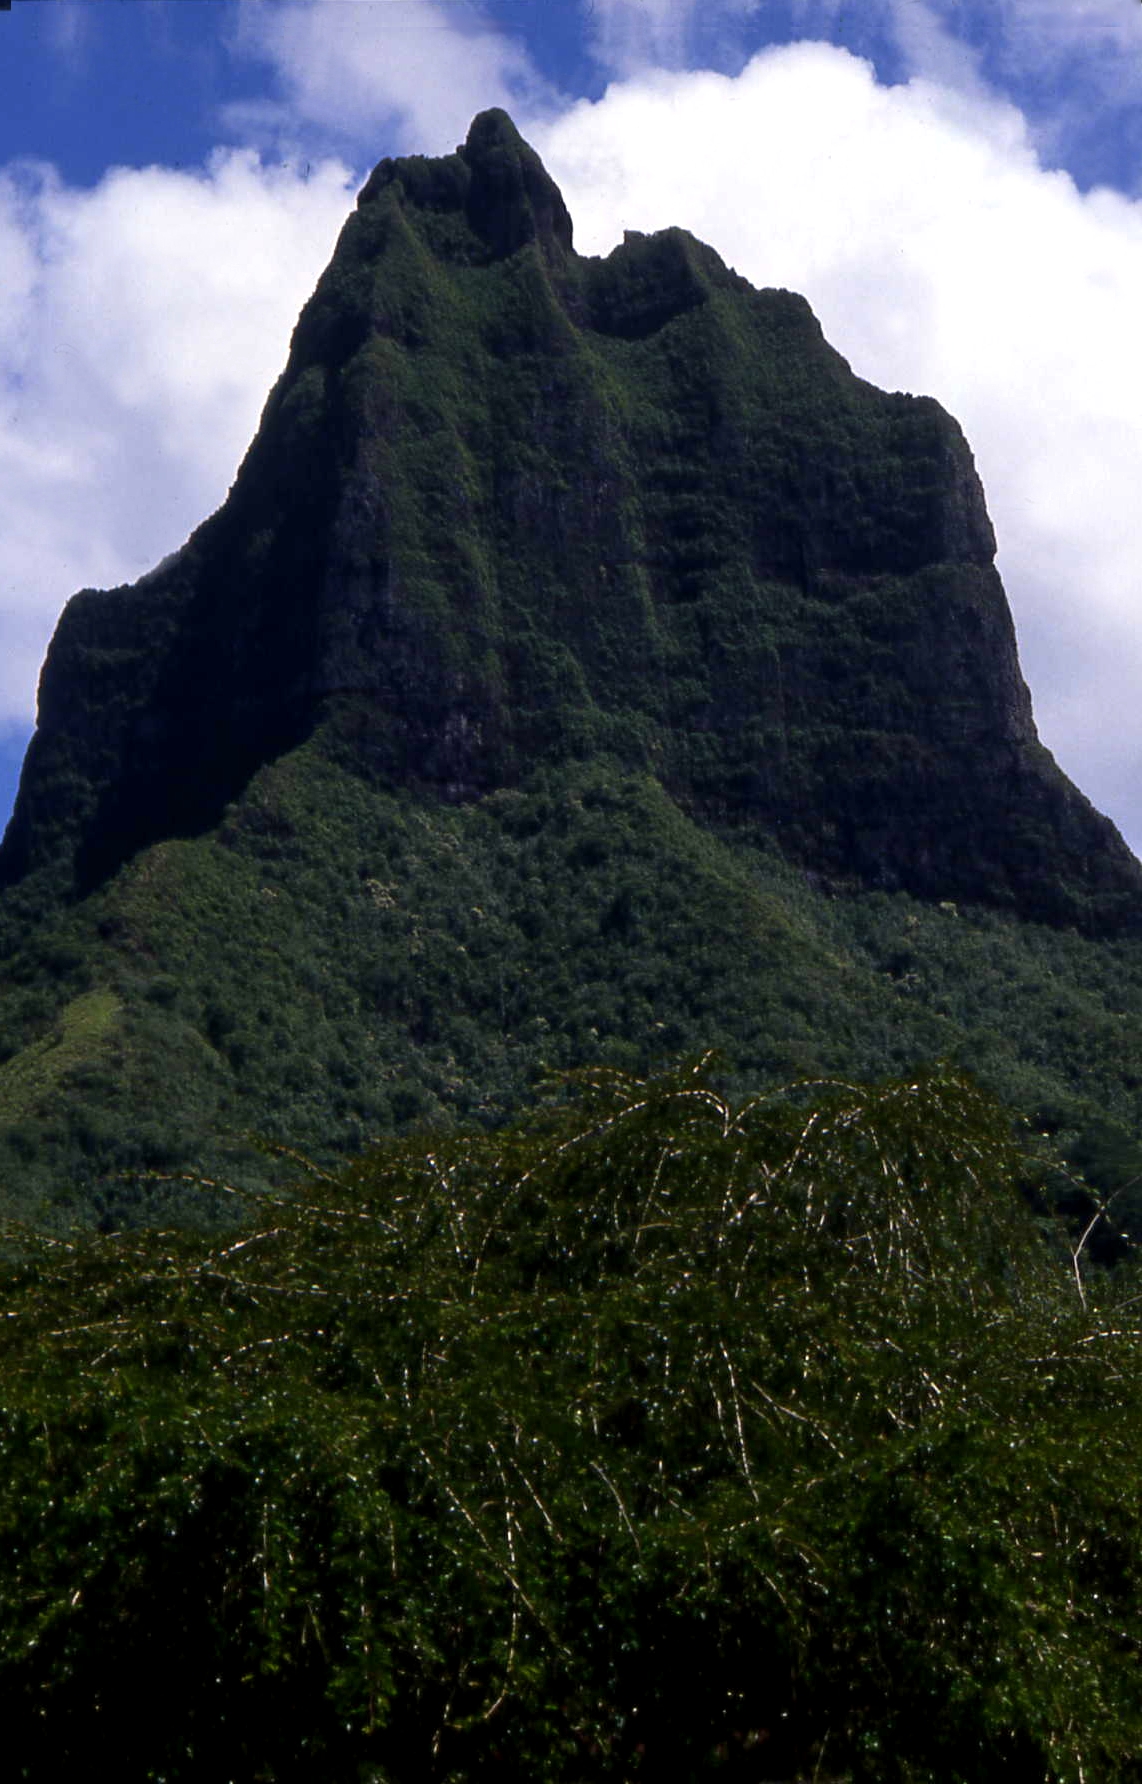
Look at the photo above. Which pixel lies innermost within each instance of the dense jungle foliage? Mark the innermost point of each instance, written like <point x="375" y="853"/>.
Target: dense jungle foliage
<point x="339" y="961"/>
<point x="651" y="1436"/>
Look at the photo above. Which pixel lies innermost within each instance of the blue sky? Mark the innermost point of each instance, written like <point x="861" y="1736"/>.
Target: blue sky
<point x="956" y="186"/>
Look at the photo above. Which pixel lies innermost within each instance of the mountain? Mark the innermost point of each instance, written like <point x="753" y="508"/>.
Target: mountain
<point x="584" y="664"/>
<point x="508" y="504"/>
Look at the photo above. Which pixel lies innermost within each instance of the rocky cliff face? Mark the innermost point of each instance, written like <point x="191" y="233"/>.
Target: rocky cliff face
<point x="507" y="505"/>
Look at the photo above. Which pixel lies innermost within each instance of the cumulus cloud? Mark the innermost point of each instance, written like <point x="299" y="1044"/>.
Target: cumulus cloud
<point x="1074" y="65"/>
<point x="941" y="257"/>
<point x="142" y="323"/>
<point x="416" y="71"/>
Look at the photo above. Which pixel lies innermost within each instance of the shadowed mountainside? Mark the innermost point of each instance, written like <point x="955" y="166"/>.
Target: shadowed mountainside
<point x="585" y="666"/>
<point x="508" y="505"/>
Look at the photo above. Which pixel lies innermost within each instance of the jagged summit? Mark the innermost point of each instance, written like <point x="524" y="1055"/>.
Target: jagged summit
<point x="508" y="505"/>
<point x="512" y="198"/>
<point x="495" y="179"/>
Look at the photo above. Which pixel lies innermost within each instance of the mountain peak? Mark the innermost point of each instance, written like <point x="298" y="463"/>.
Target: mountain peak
<point x="512" y="198"/>
<point x="494" y="518"/>
<point x="495" y="180"/>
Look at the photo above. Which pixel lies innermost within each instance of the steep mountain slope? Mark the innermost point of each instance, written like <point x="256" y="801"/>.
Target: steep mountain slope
<point x="575" y="632"/>
<point x="507" y="504"/>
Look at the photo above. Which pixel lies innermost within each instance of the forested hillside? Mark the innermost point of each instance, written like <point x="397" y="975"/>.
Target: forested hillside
<point x="336" y="962"/>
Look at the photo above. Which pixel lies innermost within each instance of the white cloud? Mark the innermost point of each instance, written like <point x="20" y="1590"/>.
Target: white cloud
<point x="627" y="37"/>
<point x="630" y="35"/>
<point x="1083" y="73"/>
<point x="1039" y="34"/>
<point x="940" y="257"/>
<point x="930" y="49"/>
<point x="141" y="325"/>
<point x="1076" y="66"/>
<point x="416" y="71"/>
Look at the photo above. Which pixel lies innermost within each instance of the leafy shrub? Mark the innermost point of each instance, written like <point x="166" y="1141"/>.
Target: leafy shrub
<point x="651" y="1434"/>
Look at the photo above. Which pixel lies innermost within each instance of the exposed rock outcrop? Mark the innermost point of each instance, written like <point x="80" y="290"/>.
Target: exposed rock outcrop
<point x="507" y="503"/>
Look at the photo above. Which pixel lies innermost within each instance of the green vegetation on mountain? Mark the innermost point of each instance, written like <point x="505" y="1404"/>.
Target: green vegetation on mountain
<point x="511" y="506"/>
<point x="585" y="666"/>
<point x="654" y="1436"/>
<point x="337" y="962"/>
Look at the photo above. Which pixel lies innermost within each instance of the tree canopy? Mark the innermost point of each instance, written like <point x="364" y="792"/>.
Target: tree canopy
<point x="766" y="1441"/>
